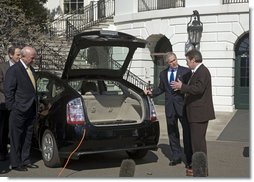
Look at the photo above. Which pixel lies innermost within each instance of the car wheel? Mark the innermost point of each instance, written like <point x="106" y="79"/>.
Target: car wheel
<point x="49" y="150"/>
<point x="137" y="154"/>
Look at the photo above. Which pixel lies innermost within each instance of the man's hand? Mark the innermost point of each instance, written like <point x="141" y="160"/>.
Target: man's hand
<point x="176" y="85"/>
<point x="148" y="91"/>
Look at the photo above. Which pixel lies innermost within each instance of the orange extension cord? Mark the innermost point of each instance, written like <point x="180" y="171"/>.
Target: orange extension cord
<point x="72" y="153"/>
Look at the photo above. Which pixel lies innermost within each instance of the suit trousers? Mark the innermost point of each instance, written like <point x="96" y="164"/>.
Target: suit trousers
<point x="198" y="136"/>
<point x="174" y="138"/>
<point x="187" y="140"/>
<point x="4" y="131"/>
<point x="21" y="132"/>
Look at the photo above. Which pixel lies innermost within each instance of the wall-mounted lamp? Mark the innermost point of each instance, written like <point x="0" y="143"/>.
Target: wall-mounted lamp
<point x="194" y="29"/>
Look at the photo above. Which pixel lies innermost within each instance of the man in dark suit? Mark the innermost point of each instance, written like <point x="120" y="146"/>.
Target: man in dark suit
<point x="198" y="100"/>
<point x="174" y="108"/>
<point x="14" y="56"/>
<point x="20" y="97"/>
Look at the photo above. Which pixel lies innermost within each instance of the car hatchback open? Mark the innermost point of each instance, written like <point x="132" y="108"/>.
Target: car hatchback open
<point x="94" y="94"/>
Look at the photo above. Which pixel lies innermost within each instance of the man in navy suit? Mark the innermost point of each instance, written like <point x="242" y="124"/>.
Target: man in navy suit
<point x="21" y="100"/>
<point x="14" y="56"/>
<point x="174" y="110"/>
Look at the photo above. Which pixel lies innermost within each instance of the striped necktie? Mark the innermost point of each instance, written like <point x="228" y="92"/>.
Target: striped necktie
<point x="30" y="74"/>
<point x="191" y="77"/>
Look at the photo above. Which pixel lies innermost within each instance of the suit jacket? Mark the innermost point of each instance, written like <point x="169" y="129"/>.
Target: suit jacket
<point x="19" y="92"/>
<point x="3" y="68"/>
<point x="174" y="100"/>
<point x="198" y="99"/>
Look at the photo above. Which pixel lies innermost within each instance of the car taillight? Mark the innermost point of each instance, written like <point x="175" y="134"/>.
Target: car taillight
<point x="153" y="115"/>
<point x="75" y="112"/>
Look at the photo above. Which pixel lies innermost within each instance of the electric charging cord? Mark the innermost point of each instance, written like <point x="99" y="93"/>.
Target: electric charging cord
<point x="72" y="153"/>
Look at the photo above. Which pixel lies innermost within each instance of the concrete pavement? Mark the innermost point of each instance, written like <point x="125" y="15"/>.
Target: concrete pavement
<point x="215" y="127"/>
<point x="226" y="158"/>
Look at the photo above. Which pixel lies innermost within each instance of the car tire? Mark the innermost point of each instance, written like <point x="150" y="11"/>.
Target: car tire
<point x="137" y="154"/>
<point x="49" y="150"/>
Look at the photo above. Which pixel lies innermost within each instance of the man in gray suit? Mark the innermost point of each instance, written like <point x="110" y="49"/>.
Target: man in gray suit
<point x="14" y="56"/>
<point x="198" y="100"/>
<point x="174" y="108"/>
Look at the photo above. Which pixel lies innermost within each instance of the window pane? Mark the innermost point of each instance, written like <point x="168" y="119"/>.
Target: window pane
<point x="66" y="8"/>
<point x="73" y="7"/>
<point x="100" y="57"/>
<point x="80" y="5"/>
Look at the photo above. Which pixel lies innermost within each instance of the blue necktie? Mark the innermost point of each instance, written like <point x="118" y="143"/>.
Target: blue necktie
<point x="171" y="75"/>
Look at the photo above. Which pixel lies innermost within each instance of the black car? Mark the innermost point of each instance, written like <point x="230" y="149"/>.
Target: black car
<point x="92" y="100"/>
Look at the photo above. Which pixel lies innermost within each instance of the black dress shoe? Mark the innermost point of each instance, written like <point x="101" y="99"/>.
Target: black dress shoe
<point x="31" y="166"/>
<point x="175" y="162"/>
<point x="4" y="171"/>
<point x="20" y="168"/>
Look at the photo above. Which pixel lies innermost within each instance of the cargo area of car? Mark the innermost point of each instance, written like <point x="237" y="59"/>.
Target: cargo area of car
<point x="110" y="103"/>
<point x="110" y="108"/>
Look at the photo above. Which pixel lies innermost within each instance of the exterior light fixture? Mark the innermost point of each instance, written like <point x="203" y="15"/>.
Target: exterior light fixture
<point x="194" y="29"/>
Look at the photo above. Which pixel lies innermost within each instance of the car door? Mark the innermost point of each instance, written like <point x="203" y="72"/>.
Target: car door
<point x="48" y="92"/>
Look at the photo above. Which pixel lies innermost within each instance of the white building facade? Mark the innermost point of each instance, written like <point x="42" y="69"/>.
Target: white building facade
<point x="223" y="26"/>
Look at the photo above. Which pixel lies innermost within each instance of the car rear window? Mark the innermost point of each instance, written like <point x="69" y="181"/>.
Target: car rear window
<point x="101" y="57"/>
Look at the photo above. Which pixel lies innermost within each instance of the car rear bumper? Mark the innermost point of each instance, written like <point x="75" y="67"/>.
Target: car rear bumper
<point x="112" y="139"/>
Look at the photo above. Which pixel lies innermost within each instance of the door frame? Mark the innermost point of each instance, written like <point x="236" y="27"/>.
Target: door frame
<point x="241" y="86"/>
<point x="162" y="47"/>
